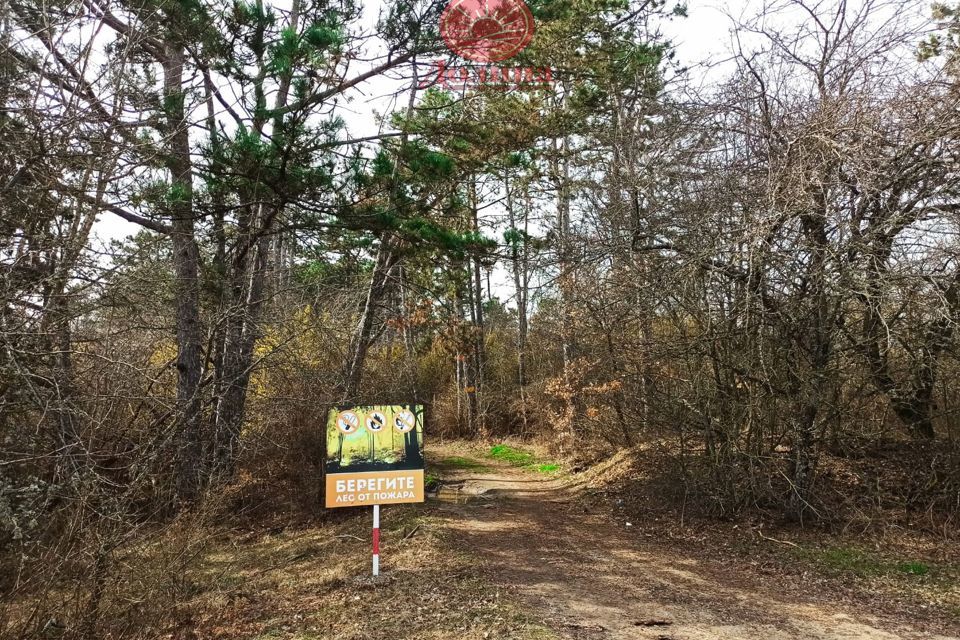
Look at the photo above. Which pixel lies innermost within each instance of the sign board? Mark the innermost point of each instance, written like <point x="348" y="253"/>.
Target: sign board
<point x="374" y="455"/>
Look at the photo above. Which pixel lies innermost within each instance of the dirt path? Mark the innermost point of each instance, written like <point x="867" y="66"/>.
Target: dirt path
<point x="587" y="577"/>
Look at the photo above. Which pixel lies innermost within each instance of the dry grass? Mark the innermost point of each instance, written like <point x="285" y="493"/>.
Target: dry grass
<point x="300" y="582"/>
<point x="876" y="559"/>
<point x="313" y="583"/>
<point x="294" y="577"/>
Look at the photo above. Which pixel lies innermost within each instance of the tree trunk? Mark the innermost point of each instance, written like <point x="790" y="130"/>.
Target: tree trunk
<point x="58" y="313"/>
<point x="816" y="344"/>
<point x="560" y="170"/>
<point x="248" y="281"/>
<point x="471" y="364"/>
<point x="361" y="340"/>
<point x="519" y="265"/>
<point x="478" y="334"/>
<point x="186" y="259"/>
<point x="238" y="366"/>
<point x="407" y="334"/>
<point x="913" y="402"/>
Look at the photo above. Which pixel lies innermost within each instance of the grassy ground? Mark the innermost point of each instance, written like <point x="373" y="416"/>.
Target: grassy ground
<point x="509" y="454"/>
<point x="863" y="563"/>
<point x="521" y="458"/>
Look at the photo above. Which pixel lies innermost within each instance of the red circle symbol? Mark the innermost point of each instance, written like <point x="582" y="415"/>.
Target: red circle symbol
<point x="487" y="30"/>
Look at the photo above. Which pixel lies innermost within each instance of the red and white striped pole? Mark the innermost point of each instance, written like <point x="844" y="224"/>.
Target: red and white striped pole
<point x="376" y="540"/>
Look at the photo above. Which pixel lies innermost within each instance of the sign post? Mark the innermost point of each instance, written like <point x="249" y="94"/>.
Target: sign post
<point x="376" y="540"/>
<point x="374" y="457"/>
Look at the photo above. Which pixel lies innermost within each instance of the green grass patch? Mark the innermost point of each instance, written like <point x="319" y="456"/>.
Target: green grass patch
<point x="508" y="454"/>
<point x="524" y="459"/>
<point x="914" y="568"/>
<point x="851" y="560"/>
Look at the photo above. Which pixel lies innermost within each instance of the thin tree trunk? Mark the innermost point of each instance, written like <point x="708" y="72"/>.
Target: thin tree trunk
<point x="458" y="373"/>
<point x="59" y="313"/>
<point x="248" y="279"/>
<point x="360" y="342"/>
<point x="561" y="178"/>
<point x="479" y="331"/>
<point x="186" y="259"/>
<point x="238" y="366"/>
<point x="816" y="341"/>
<point x="913" y="403"/>
<point x="470" y="365"/>
<point x="518" y="254"/>
<point x="407" y="334"/>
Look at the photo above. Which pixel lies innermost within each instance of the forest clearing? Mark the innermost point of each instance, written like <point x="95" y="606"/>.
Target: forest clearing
<point x="476" y="319"/>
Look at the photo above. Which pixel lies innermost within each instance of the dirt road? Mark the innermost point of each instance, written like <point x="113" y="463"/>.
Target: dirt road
<point x="585" y="575"/>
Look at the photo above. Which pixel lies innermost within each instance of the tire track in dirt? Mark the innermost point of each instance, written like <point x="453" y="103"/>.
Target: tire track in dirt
<point x="589" y="578"/>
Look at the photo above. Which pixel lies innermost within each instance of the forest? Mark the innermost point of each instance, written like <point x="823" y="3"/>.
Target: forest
<point x="221" y="218"/>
